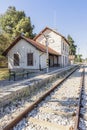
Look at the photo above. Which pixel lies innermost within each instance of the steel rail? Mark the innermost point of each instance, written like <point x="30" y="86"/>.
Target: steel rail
<point x="77" y="119"/>
<point x="23" y="114"/>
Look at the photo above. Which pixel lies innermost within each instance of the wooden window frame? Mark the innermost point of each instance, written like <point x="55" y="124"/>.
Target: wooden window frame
<point x="29" y="59"/>
<point x="63" y="46"/>
<point x="16" y="59"/>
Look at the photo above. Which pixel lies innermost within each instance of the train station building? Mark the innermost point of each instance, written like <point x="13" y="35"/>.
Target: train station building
<point x="32" y="54"/>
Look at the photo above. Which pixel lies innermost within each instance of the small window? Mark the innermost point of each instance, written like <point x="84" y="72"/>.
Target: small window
<point x="16" y="60"/>
<point x="30" y="59"/>
<point x="63" y="45"/>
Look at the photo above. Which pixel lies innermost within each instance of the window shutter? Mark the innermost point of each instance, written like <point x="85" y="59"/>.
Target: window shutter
<point x="30" y="59"/>
<point x="16" y="60"/>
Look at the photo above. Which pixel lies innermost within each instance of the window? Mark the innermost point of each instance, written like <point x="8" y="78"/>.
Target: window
<point x="30" y="59"/>
<point x="66" y="48"/>
<point x="63" y="60"/>
<point x="16" y="60"/>
<point x="63" y="45"/>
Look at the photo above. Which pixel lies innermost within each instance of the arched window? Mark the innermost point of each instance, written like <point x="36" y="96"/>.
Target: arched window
<point x="16" y="60"/>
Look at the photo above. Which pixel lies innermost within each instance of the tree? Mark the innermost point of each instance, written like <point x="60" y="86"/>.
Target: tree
<point x="72" y="48"/>
<point x="15" y="22"/>
<point x="24" y="26"/>
<point x="78" y="58"/>
<point x="4" y="42"/>
<point x="12" y="24"/>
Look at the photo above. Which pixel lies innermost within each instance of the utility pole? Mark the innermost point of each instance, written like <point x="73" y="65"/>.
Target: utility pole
<point x="47" y="38"/>
<point x="78" y="54"/>
<point x="47" y="59"/>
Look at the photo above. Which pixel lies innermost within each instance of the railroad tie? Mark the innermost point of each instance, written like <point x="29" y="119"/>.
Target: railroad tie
<point x="49" y="125"/>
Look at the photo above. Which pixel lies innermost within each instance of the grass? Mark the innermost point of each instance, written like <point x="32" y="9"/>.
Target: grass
<point x="4" y="73"/>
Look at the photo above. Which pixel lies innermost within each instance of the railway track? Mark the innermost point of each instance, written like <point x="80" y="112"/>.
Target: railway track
<point x="54" y="111"/>
<point x="82" y="124"/>
<point x="77" y="120"/>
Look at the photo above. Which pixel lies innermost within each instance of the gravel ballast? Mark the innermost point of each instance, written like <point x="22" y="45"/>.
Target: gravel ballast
<point x="83" y="110"/>
<point x="59" y="107"/>
<point x="9" y="111"/>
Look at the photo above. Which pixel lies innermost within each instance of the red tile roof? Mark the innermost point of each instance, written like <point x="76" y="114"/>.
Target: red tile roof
<point x="33" y="43"/>
<point x="47" y="28"/>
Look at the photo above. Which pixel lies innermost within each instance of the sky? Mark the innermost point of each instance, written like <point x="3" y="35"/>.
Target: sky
<point x="66" y="16"/>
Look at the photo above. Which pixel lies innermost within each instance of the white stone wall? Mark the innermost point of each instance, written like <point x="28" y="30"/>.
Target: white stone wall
<point x="65" y="53"/>
<point x="39" y="58"/>
<point x="22" y="48"/>
<point x="56" y="42"/>
<point x="42" y="58"/>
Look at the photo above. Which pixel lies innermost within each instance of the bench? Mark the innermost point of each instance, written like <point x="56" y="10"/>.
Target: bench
<point x="17" y="72"/>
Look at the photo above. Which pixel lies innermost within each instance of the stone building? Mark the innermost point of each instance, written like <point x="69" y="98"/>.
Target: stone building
<point x="31" y="54"/>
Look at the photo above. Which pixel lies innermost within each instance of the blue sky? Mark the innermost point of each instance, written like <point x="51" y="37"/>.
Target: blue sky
<point x="67" y="16"/>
